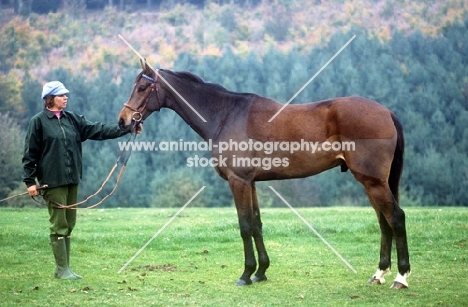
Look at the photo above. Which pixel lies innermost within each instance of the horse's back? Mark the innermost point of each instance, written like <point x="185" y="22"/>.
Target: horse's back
<point x="348" y="117"/>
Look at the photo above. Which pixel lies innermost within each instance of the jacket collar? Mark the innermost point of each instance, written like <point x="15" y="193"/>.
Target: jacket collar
<point x="51" y="114"/>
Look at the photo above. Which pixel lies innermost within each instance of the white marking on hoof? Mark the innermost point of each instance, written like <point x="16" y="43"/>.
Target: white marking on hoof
<point x="402" y="279"/>
<point x="379" y="275"/>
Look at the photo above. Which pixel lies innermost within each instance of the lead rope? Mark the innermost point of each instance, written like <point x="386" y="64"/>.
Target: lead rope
<point x="73" y="206"/>
<point x="39" y="189"/>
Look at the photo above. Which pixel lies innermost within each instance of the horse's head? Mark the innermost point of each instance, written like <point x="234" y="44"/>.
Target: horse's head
<point x="143" y="101"/>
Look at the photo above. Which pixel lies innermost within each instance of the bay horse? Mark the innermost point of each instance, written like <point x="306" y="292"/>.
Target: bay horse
<point x="242" y="120"/>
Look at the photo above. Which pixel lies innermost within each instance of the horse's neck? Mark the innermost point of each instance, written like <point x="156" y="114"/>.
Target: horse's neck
<point x="213" y="107"/>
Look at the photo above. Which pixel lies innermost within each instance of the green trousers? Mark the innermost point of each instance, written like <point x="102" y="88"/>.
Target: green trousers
<point x="62" y="221"/>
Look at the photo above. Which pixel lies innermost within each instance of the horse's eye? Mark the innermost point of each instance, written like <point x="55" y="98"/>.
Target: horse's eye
<point x="142" y="88"/>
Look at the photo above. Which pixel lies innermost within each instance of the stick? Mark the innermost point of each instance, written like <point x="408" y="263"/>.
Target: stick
<point x="315" y="231"/>
<point x="133" y="49"/>
<point x="311" y="79"/>
<point x="160" y="230"/>
<point x="45" y="186"/>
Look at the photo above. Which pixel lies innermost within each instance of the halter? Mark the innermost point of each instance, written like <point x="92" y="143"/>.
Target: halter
<point x="137" y="116"/>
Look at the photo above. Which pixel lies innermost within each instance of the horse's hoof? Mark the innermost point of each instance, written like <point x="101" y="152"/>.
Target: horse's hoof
<point x="259" y="279"/>
<point x="374" y="281"/>
<point x="398" y="285"/>
<point x="242" y="282"/>
<point x="379" y="277"/>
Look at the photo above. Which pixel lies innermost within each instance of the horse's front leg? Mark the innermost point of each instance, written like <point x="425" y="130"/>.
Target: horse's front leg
<point x="242" y="192"/>
<point x="263" y="259"/>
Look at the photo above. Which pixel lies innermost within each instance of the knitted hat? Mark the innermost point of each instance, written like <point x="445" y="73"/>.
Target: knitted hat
<point x="55" y="88"/>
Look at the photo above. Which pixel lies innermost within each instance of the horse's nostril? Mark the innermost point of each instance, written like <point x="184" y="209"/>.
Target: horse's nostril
<point x="122" y="124"/>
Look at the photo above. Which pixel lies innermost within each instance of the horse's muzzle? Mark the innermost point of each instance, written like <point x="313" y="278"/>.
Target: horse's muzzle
<point x="123" y="126"/>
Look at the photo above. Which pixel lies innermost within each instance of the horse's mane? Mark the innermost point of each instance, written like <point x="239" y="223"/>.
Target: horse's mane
<point x="194" y="78"/>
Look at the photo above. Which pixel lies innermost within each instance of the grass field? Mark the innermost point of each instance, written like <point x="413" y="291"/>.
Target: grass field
<point x="197" y="259"/>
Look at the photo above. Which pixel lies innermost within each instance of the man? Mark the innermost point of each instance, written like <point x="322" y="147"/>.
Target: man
<point x="53" y="156"/>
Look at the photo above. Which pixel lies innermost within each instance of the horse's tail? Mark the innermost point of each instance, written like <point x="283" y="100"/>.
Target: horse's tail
<point x="397" y="163"/>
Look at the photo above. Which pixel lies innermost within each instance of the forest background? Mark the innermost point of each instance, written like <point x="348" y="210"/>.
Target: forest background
<point x="411" y="56"/>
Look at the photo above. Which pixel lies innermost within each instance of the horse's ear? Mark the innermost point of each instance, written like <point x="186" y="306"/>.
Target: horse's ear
<point x="146" y="68"/>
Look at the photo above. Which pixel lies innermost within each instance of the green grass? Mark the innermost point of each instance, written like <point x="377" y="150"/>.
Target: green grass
<point x="196" y="260"/>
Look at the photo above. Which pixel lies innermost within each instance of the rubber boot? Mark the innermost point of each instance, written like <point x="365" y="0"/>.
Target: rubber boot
<point x="67" y="245"/>
<point x="62" y="271"/>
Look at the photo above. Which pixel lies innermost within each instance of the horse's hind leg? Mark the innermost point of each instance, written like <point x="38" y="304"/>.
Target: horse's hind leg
<point x="385" y="251"/>
<point x="399" y="229"/>
<point x="263" y="259"/>
<point x="392" y="224"/>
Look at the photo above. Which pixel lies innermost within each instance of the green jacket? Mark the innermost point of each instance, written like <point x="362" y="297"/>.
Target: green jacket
<point x="52" y="148"/>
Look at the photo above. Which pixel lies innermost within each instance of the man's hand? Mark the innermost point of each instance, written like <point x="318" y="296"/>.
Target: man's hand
<point x="32" y="190"/>
<point x="139" y="128"/>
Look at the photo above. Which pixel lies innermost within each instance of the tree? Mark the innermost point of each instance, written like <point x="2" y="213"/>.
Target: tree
<point x="11" y="151"/>
<point x="30" y="97"/>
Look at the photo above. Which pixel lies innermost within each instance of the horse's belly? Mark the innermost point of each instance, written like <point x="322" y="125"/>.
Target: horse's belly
<point x="300" y="165"/>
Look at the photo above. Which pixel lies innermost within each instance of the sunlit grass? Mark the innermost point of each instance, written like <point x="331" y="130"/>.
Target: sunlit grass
<point x="196" y="260"/>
